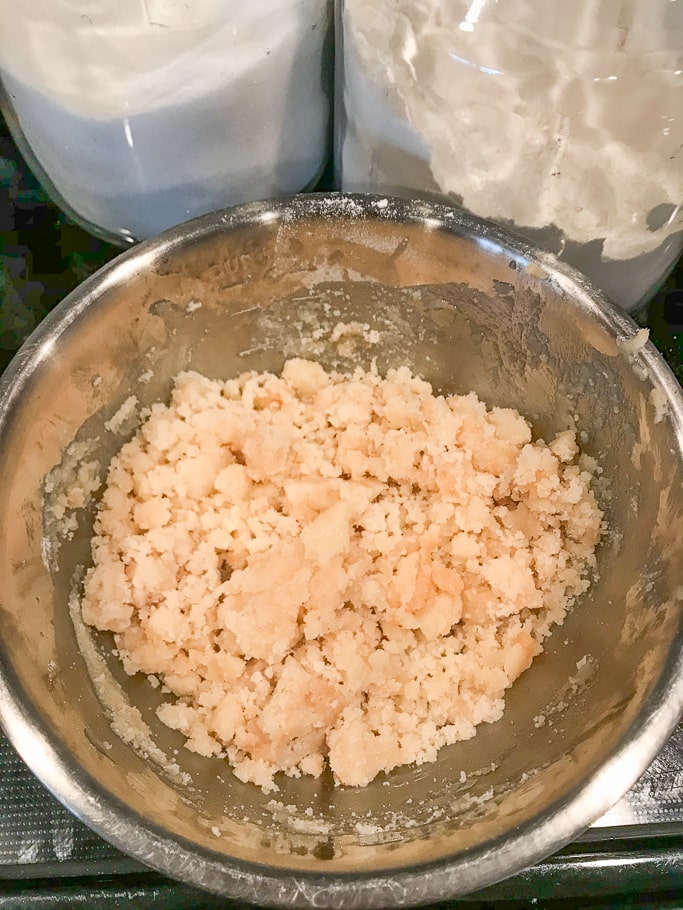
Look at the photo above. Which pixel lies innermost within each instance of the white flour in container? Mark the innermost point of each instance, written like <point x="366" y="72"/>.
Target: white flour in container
<point x="553" y="117"/>
<point x="144" y="113"/>
<point x="331" y="568"/>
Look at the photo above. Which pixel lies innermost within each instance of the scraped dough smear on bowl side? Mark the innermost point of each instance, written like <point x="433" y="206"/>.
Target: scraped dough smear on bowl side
<point x="336" y="568"/>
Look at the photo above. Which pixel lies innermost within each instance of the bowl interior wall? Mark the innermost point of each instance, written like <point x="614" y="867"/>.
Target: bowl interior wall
<point x="457" y="313"/>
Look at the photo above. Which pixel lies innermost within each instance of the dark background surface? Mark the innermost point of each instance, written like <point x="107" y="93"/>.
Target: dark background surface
<point x="43" y="256"/>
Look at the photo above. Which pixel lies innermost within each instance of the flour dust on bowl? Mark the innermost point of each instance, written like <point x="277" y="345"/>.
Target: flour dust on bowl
<point x="463" y="305"/>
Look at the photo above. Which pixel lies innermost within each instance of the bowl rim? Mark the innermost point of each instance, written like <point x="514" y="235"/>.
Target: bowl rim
<point x="478" y="866"/>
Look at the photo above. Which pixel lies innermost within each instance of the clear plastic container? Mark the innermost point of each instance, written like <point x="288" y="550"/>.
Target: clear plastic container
<point x="139" y="114"/>
<point x="561" y="120"/>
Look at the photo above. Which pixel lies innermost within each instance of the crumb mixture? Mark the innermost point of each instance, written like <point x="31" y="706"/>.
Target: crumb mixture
<point x="336" y="568"/>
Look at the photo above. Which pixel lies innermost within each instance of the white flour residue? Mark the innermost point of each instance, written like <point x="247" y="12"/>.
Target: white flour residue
<point x="347" y="335"/>
<point x="62" y="838"/>
<point x="29" y="852"/>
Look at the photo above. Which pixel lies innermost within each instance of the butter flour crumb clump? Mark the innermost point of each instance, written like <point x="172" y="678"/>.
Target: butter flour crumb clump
<point x="336" y="568"/>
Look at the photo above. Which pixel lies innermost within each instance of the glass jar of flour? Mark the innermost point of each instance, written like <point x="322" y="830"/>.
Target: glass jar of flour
<point x="561" y="120"/>
<point x="139" y="114"/>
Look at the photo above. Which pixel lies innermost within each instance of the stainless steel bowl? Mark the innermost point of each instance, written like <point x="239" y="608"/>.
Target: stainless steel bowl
<point x="468" y="307"/>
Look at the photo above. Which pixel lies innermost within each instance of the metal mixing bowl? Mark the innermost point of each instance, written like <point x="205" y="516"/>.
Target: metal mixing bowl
<point x="467" y="306"/>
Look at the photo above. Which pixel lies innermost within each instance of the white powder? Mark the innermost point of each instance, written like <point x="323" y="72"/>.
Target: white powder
<point x="146" y="112"/>
<point x="540" y="114"/>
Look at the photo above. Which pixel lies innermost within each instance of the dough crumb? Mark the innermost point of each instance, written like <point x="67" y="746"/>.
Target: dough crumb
<point x="329" y="569"/>
<point x="125" y="414"/>
<point x="658" y="401"/>
<point x="634" y="344"/>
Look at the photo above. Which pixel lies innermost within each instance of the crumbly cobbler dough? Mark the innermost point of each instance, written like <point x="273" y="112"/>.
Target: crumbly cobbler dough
<point x="329" y="567"/>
